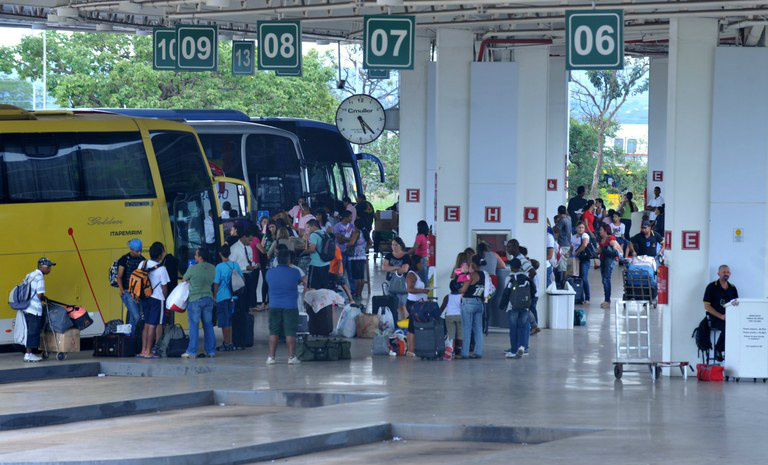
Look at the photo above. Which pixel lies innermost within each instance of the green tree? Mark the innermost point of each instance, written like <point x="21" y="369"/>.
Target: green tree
<point x="387" y="148"/>
<point x="602" y="97"/>
<point x="15" y="92"/>
<point x="115" y="70"/>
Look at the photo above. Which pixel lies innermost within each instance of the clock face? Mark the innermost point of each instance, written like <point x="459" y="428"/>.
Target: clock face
<point x="360" y="119"/>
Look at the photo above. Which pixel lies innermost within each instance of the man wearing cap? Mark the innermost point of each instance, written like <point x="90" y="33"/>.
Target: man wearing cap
<point x="126" y="265"/>
<point x="646" y="242"/>
<point x="33" y="315"/>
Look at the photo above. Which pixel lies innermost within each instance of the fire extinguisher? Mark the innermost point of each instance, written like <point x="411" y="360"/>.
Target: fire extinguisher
<point x="663" y="283"/>
<point x="431" y="241"/>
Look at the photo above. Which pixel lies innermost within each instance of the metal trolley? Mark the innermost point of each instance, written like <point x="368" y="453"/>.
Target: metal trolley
<point x="632" y="323"/>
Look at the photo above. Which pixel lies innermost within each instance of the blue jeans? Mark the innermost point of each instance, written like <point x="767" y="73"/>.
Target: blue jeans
<point x="550" y="274"/>
<point x="534" y="312"/>
<point x="472" y="322"/>
<point x="584" y="266"/>
<point x="133" y="310"/>
<point x="606" y="270"/>
<point x="197" y="309"/>
<point x="424" y="275"/>
<point x="519" y="331"/>
<point x="348" y="271"/>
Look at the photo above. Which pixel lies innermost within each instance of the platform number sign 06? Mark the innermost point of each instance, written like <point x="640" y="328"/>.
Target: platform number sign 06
<point x="389" y="42"/>
<point x="279" y="45"/>
<point x="164" y="48"/>
<point x="594" y="39"/>
<point x="243" y="60"/>
<point x="197" y="47"/>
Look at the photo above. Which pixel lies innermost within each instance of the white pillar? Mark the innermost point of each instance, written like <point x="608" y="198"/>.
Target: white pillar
<point x="454" y="55"/>
<point x="657" y="123"/>
<point x="431" y="195"/>
<point x="413" y="141"/>
<point x="557" y="134"/>
<point x="692" y="43"/>
<point x="531" y="172"/>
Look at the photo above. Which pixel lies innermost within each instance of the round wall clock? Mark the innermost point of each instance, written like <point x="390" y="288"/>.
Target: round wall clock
<point x="360" y="119"/>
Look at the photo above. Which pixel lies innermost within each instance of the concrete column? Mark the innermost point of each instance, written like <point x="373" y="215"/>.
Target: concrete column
<point x="557" y="134"/>
<point x="692" y="44"/>
<point x="413" y="141"/>
<point x="454" y="55"/>
<point x="657" y="123"/>
<point x="430" y="196"/>
<point x="532" y="130"/>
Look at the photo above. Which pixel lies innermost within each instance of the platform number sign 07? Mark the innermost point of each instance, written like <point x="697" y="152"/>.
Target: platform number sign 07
<point x="389" y="42"/>
<point x="243" y="57"/>
<point x="197" y="47"/>
<point x="279" y="45"/>
<point x="164" y="48"/>
<point x="594" y="39"/>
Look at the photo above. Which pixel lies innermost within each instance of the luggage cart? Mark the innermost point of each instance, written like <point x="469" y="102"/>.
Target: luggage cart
<point x="632" y="325"/>
<point x="45" y="353"/>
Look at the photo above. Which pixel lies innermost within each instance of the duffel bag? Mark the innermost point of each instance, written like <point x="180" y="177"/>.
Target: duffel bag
<point x="80" y="317"/>
<point x="367" y="325"/>
<point x="709" y="372"/>
<point x="322" y="349"/>
<point x="58" y="318"/>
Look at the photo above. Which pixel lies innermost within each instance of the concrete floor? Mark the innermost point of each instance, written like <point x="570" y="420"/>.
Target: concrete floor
<point x="566" y="382"/>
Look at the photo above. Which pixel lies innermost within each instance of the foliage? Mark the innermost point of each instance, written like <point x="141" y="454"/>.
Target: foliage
<point x="387" y="148"/>
<point x="115" y="70"/>
<point x="15" y="92"/>
<point x="602" y="96"/>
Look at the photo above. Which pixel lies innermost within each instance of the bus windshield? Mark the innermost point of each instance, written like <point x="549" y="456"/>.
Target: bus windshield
<point x="188" y="190"/>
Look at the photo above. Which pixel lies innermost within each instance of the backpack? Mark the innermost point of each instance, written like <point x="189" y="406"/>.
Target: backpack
<point x="139" y="285"/>
<point x="113" y="274"/>
<point x="517" y="293"/>
<point x="173" y="343"/>
<point x="327" y="248"/>
<point x="21" y="295"/>
<point x="702" y="337"/>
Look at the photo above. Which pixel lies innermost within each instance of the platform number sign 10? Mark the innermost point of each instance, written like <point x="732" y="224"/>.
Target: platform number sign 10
<point x="197" y="47"/>
<point x="243" y="59"/>
<point x="164" y="48"/>
<point x="389" y="42"/>
<point x="594" y="39"/>
<point x="279" y="45"/>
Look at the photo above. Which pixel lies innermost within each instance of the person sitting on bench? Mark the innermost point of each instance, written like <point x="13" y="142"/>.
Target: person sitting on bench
<point x="717" y="295"/>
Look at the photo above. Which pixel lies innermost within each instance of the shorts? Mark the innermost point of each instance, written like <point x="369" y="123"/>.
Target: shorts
<point x="338" y="280"/>
<point x="318" y="277"/>
<point x="34" y="328"/>
<point x="453" y="327"/>
<point x="283" y="321"/>
<point x="224" y="311"/>
<point x="357" y="268"/>
<point x="152" y="311"/>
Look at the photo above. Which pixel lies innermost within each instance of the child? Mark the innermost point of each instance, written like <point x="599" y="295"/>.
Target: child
<point x="452" y="308"/>
<point x="518" y="304"/>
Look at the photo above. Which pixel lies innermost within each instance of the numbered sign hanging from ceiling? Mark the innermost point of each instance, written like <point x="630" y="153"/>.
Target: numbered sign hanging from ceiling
<point x="388" y="42"/>
<point x="197" y="48"/>
<point x="594" y="39"/>
<point x="280" y="46"/>
<point x="243" y="58"/>
<point x="164" y="49"/>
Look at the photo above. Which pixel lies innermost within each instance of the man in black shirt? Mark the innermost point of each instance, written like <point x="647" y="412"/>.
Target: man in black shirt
<point x="126" y="265"/>
<point x="646" y="242"/>
<point x="577" y="204"/>
<point x="717" y="295"/>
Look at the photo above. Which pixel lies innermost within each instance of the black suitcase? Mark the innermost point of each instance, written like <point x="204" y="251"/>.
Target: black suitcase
<point x="429" y="339"/>
<point x="321" y="323"/>
<point x="303" y="324"/>
<point x="242" y="329"/>
<point x="578" y="285"/>
<point x="114" y="345"/>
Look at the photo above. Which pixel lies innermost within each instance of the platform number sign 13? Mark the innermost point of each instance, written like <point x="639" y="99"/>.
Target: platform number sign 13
<point x="243" y="59"/>
<point x="388" y="42"/>
<point x="594" y="39"/>
<point x="279" y="45"/>
<point x="197" y="48"/>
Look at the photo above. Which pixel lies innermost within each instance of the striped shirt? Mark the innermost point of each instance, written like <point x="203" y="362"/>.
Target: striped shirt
<point x="37" y="287"/>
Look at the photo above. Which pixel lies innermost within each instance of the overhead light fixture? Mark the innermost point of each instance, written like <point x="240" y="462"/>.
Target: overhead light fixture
<point x="103" y="27"/>
<point x="39" y="26"/>
<point x="129" y="7"/>
<point x="219" y="3"/>
<point x="323" y="42"/>
<point x="53" y="18"/>
<point x="68" y="12"/>
<point x="389" y="2"/>
<point x="142" y="32"/>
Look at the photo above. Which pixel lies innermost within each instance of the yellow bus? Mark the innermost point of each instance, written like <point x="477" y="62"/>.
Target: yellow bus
<point x="100" y="180"/>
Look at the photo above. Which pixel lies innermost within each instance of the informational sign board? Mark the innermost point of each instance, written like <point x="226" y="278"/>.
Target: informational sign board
<point x="530" y="214"/>
<point x="452" y="213"/>
<point x="691" y="240"/>
<point x="280" y="46"/>
<point x="413" y="195"/>
<point x="290" y="73"/>
<point x="388" y="42"/>
<point x="658" y="176"/>
<point x="164" y="49"/>
<point x="493" y="214"/>
<point x="197" y="47"/>
<point x="594" y="39"/>
<point x="551" y="184"/>
<point x="243" y="58"/>
<point x="746" y="339"/>
<point x="378" y="74"/>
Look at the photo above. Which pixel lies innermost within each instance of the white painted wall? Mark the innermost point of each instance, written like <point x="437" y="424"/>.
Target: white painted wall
<point x="431" y="143"/>
<point x="657" y="122"/>
<point x="557" y="134"/>
<point x="739" y="186"/>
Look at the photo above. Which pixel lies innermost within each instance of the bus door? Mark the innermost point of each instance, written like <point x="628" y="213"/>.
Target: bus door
<point x="232" y="195"/>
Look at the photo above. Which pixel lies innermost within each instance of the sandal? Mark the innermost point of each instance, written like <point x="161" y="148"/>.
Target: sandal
<point x="410" y="354"/>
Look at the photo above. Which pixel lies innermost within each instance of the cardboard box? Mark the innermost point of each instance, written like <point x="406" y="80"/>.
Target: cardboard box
<point x="68" y="341"/>
<point x="386" y="220"/>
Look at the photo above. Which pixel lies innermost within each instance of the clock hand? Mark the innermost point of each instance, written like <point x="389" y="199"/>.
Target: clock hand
<point x="362" y="123"/>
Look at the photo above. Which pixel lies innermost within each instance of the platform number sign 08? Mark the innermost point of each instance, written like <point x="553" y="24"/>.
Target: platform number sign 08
<point x="197" y="47"/>
<point x="279" y="45"/>
<point x="389" y="42"/>
<point x="594" y="39"/>
<point x="242" y="57"/>
<point x="164" y="48"/>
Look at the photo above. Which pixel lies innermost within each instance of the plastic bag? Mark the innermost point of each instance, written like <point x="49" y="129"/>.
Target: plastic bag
<point x="177" y="301"/>
<point x="346" y="326"/>
<point x="448" y="352"/>
<point x="20" y="329"/>
<point x="386" y="320"/>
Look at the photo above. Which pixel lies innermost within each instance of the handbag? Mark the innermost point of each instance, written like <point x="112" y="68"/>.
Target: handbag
<point x="397" y="284"/>
<point x="236" y="281"/>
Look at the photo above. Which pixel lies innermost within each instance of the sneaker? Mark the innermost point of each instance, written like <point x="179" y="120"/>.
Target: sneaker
<point x="271" y="360"/>
<point x="32" y="358"/>
<point x="211" y="355"/>
<point x="510" y="355"/>
<point x="525" y="354"/>
<point x="186" y="355"/>
<point x="294" y="360"/>
<point x="154" y="349"/>
<point x="520" y="352"/>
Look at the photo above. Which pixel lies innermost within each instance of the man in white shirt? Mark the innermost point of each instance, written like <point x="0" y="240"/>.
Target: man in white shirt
<point x="242" y="254"/>
<point x="33" y="315"/>
<point x="657" y="201"/>
<point x="153" y="306"/>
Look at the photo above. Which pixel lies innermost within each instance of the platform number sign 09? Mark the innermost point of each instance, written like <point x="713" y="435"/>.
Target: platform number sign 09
<point x="594" y="39"/>
<point x="164" y="48"/>
<point x="388" y="42"/>
<point x="279" y="45"/>
<point x="197" y="47"/>
<point x="242" y="57"/>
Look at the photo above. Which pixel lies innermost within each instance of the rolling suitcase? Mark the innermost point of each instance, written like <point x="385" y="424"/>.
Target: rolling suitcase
<point x="578" y="286"/>
<point x="242" y="329"/>
<point x="114" y="345"/>
<point x="429" y="339"/>
<point x="321" y="322"/>
<point x="303" y="324"/>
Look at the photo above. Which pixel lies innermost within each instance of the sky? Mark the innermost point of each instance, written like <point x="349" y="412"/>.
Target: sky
<point x="634" y="110"/>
